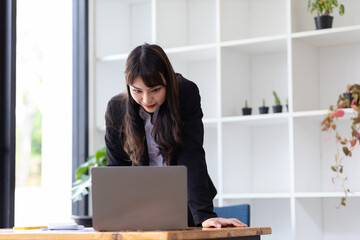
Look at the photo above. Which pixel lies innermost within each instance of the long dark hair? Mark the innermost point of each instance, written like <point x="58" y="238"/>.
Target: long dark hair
<point x="151" y="64"/>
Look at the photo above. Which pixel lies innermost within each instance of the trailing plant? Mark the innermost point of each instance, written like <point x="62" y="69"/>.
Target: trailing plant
<point x="80" y="187"/>
<point x="346" y="144"/>
<point x="325" y="7"/>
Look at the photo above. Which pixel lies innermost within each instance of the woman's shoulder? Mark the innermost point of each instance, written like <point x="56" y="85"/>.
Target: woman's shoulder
<point x="189" y="98"/>
<point x="185" y="85"/>
<point x="116" y="108"/>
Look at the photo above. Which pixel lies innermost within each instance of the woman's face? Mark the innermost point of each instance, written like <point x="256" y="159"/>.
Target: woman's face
<point x="149" y="98"/>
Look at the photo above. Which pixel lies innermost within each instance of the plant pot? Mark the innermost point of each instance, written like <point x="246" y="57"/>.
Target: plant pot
<point x="277" y="109"/>
<point x="349" y="97"/>
<point x="263" y="110"/>
<point x="86" y="221"/>
<point x="323" y="22"/>
<point x="246" y="111"/>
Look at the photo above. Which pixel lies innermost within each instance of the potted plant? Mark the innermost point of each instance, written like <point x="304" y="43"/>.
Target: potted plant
<point x="246" y="110"/>
<point x="347" y="97"/>
<point x="82" y="184"/>
<point x="277" y="108"/>
<point x="346" y="144"/>
<point x="323" y="9"/>
<point x="287" y="104"/>
<point x="263" y="109"/>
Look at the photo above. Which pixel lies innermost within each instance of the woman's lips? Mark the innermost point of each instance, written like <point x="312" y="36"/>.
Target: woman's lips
<point x="150" y="106"/>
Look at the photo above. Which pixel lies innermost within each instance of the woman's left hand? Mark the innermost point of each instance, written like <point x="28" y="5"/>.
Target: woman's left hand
<point x="222" y="222"/>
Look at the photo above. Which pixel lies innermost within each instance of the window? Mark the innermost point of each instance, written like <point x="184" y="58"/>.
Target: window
<point x="43" y="111"/>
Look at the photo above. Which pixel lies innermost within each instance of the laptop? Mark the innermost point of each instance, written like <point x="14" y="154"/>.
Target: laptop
<point x="139" y="198"/>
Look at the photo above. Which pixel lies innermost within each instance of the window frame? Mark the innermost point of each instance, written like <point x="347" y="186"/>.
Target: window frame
<point x="7" y="111"/>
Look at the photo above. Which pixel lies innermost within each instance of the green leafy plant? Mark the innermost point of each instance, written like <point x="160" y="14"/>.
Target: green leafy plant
<point x="277" y="99"/>
<point x="263" y="103"/>
<point x="246" y="104"/>
<point x="80" y="187"/>
<point x="346" y="144"/>
<point x="325" y="7"/>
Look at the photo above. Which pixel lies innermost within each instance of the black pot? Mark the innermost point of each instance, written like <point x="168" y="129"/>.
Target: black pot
<point x="263" y="110"/>
<point x="246" y="111"/>
<point x="349" y="97"/>
<point x="86" y="221"/>
<point x="323" y="22"/>
<point x="277" y="109"/>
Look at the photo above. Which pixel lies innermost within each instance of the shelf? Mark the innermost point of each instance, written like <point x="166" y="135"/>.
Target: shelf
<point x="256" y="46"/>
<point x="256" y="195"/>
<point x="325" y="194"/>
<point x="330" y="37"/>
<point x="258" y="120"/>
<point x="112" y="58"/>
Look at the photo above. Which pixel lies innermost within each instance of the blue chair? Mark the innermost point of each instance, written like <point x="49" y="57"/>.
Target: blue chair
<point x="241" y="212"/>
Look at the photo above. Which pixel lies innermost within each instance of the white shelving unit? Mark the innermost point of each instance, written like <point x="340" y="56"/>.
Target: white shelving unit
<point x="237" y="50"/>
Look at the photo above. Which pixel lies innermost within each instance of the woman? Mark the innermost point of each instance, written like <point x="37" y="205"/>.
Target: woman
<point x="158" y="122"/>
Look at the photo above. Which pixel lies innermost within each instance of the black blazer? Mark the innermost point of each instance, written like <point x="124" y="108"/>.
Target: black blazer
<point x="191" y="154"/>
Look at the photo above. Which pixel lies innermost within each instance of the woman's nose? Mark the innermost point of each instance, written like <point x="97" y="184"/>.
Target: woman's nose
<point x="146" y="98"/>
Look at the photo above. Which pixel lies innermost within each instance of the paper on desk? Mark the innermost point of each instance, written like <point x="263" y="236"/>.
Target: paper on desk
<point x="64" y="226"/>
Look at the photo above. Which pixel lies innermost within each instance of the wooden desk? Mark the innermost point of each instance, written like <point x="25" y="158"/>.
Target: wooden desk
<point x="250" y="233"/>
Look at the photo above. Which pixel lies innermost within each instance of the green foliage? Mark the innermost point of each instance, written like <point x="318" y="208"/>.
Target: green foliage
<point x="36" y="134"/>
<point x="246" y="104"/>
<point x="263" y="103"/>
<point x="82" y="184"/>
<point x="277" y="99"/>
<point x="325" y="7"/>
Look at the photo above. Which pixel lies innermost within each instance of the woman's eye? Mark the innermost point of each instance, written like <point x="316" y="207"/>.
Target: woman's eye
<point x="156" y="89"/>
<point x="137" y="91"/>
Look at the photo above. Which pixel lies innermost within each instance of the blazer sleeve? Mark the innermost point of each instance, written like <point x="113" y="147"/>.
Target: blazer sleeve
<point x="113" y="137"/>
<point x="201" y="190"/>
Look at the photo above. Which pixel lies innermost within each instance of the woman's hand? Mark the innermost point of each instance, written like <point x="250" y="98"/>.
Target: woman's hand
<point x="222" y="222"/>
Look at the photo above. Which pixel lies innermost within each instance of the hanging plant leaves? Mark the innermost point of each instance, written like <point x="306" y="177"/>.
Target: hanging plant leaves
<point x="346" y="150"/>
<point x="338" y="113"/>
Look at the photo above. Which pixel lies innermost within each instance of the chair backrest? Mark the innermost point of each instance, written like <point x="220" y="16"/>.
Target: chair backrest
<point x="241" y="212"/>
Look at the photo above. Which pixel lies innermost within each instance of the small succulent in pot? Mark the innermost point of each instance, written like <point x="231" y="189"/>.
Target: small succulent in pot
<point x="246" y="110"/>
<point x="277" y="108"/>
<point x="287" y="104"/>
<point x="263" y="109"/>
